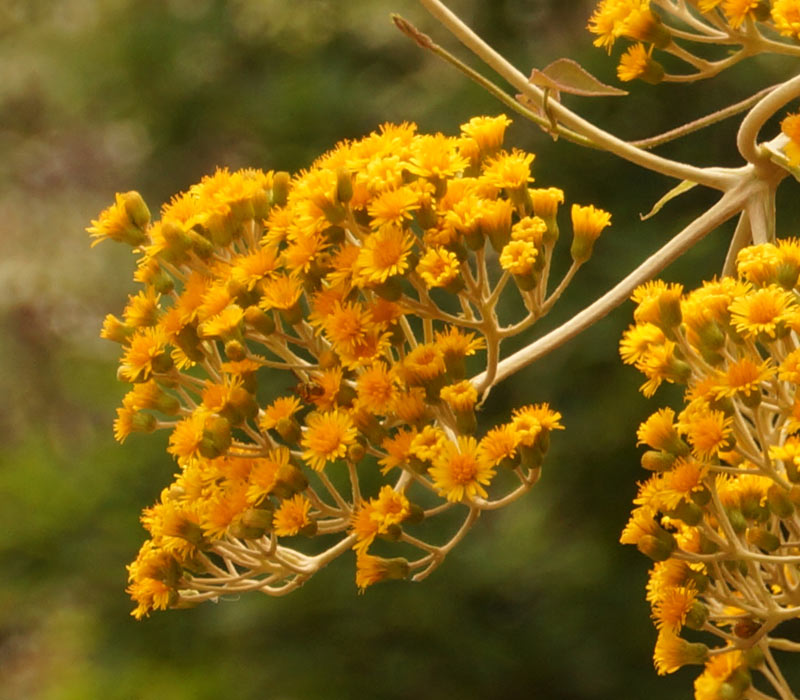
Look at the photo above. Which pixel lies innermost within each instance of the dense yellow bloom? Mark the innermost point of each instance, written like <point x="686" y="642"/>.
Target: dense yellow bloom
<point x="344" y="277"/>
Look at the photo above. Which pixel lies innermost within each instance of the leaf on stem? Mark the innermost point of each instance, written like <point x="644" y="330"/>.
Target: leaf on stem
<point x="566" y="75"/>
<point x="676" y="191"/>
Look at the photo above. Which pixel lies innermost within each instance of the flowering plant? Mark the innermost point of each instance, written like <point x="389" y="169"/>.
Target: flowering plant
<point x="320" y="345"/>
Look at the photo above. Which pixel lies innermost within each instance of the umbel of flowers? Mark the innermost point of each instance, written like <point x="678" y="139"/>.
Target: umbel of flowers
<point x="719" y="514"/>
<point x="306" y="340"/>
<point x="746" y="27"/>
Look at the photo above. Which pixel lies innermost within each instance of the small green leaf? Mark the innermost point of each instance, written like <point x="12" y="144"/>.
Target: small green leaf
<point x="676" y="191"/>
<point x="566" y="75"/>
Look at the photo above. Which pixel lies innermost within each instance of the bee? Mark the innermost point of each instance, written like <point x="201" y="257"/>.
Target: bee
<point x="308" y="391"/>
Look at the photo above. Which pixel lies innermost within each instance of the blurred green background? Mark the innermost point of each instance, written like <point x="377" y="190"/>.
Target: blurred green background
<point x="99" y="96"/>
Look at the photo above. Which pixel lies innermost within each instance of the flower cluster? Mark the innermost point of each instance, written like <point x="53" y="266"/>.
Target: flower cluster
<point x="727" y="22"/>
<point x="367" y="280"/>
<point x="719" y="513"/>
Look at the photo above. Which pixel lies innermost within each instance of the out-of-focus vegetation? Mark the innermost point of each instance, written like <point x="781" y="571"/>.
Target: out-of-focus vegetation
<point x="98" y="96"/>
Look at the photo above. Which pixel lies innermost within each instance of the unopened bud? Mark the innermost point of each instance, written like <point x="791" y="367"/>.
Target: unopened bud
<point x="344" y="186"/>
<point x="779" y="501"/>
<point x="658" y="549"/>
<point x="763" y="539"/>
<point x="658" y="460"/>
<point x="259" y="321"/>
<point x="136" y="209"/>
<point x="289" y="429"/>
<point x="280" y="188"/>
<point x="216" y="437"/>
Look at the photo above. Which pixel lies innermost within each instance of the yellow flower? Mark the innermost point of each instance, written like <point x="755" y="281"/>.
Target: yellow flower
<point x="383" y="255"/>
<point x="142" y="309"/>
<point x="327" y="437"/>
<point x="346" y="325"/>
<point x="461" y="396"/>
<point x="280" y="292"/>
<point x="672" y="607"/>
<point x="737" y="10"/>
<point x="436" y="157"/>
<point x="371" y="570"/>
<point x="389" y="508"/>
<point x="487" y="132"/>
<point x="509" y="170"/>
<point x="377" y="388"/>
<point x="292" y="516"/>
<point x="499" y="444"/>
<point x="786" y="16"/>
<point x="124" y="221"/>
<point x="615" y="18"/>
<point x="637" y="341"/>
<point x="758" y="264"/>
<point x="587" y="224"/>
<point x="424" y="363"/>
<point x="530" y="229"/>
<point x="145" y="355"/>
<point x="744" y="378"/>
<point x="718" y="669"/>
<point x="762" y="311"/>
<point x="460" y="473"/>
<point x="708" y="432"/>
<point x="546" y="200"/>
<point x="364" y="526"/>
<point x="438" y="267"/>
<point x="282" y="408"/>
<point x="393" y="207"/>
<point x="637" y="62"/>
<point x="398" y="450"/>
<point x="224" y="508"/>
<point x="672" y="652"/>
<point x="791" y="127"/>
<point x="518" y="257"/>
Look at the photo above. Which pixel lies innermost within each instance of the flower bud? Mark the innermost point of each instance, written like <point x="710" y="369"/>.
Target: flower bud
<point x="763" y="539"/>
<point x="779" y="501"/>
<point x="289" y="429"/>
<point x="687" y="511"/>
<point x="258" y="518"/>
<point x="657" y="548"/>
<point x="289" y="481"/>
<point x="658" y="460"/>
<point x="216" y="437"/>
<point x="344" y="186"/>
<point x="136" y="209"/>
<point x="280" y="188"/>
<point x="697" y="616"/>
<point x="259" y="321"/>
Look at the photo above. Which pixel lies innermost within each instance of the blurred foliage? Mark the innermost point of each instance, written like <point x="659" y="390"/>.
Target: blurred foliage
<point x="98" y="96"/>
